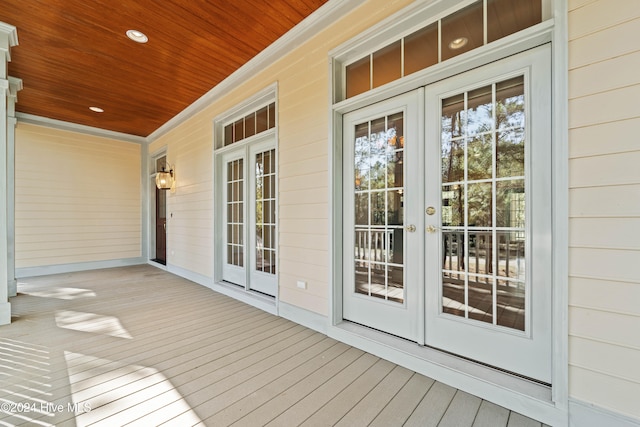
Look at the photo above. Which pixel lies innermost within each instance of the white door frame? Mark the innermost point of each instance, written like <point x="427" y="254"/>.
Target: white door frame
<point x="550" y="406"/>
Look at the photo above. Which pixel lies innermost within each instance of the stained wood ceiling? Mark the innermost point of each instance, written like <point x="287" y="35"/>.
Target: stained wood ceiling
<point x="74" y="54"/>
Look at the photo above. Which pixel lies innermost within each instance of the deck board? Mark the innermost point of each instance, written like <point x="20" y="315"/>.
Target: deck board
<point x="144" y="347"/>
<point x="490" y="415"/>
<point x="350" y="396"/>
<point x="462" y="411"/>
<point x="370" y="406"/>
<point x="402" y="405"/>
<point x="434" y="405"/>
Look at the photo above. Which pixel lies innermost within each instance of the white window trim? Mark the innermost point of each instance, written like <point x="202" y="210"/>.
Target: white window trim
<point x="264" y="97"/>
<point x="521" y="396"/>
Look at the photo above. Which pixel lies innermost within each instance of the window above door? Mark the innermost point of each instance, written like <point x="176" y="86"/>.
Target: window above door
<point x="424" y="38"/>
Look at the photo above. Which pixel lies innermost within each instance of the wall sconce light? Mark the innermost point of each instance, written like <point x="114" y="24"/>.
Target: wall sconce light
<point x="165" y="179"/>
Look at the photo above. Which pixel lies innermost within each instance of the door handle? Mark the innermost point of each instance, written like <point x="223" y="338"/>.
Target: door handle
<point x="431" y="229"/>
<point x="410" y="228"/>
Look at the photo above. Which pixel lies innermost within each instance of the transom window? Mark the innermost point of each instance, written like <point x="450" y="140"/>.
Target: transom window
<point x="252" y="124"/>
<point x="482" y="22"/>
<point x="246" y="194"/>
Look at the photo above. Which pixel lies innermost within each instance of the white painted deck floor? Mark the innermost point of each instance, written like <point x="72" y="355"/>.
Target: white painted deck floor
<point x="139" y="346"/>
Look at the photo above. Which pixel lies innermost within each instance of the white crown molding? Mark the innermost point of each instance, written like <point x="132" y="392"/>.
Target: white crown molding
<point x="11" y="31"/>
<point x="310" y="26"/>
<point x="11" y="34"/>
<point x="15" y="86"/>
<point x="73" y="127"/>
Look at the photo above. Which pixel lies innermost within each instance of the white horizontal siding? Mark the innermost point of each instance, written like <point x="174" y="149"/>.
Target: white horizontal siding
<point x="610" y="13"/>
<point x="77" y="198"/>
<point x="596" y="171"/>
<point x="604" y="45"/>
<point x="620" y="72"/>
<point x="604" y="179"/>
<point x="593" y="386"/>
<point x="189" y="206"/>
<point x="587" y="141"/>
<point x="623" y="233"/>
<point x="616" y="201"/>
<point x="605" y="295"/>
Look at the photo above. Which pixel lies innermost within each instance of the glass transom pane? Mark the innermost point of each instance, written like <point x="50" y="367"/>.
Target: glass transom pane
<point x="252" y="124"/>
<point x="481" y="22"/>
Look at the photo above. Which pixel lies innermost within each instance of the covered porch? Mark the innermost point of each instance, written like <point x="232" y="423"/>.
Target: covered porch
<point x="137" y="345"/>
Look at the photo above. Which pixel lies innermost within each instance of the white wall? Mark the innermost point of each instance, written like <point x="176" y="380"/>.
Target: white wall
<point x="604" y="116"/>
<point x="77" y="198"/>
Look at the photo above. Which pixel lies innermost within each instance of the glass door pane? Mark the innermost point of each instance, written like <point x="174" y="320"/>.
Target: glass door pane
<point x="488" y="252"/>
<point x="235" y="209"/>
<point x="265" y="215"/>
<point x="263" y="236"/>
<point x="483" y="200"/>
<point x="234" y="266"/>
<point x="382" y="217"/>
<point x="378" y="199"/>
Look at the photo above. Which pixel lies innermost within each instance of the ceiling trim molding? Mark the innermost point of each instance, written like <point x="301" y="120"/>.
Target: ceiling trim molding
<point x="15" y="86"/>
<point x="12" y="38"/>
<point x="74" y="127"/>
<point x="329" y="13"/>
<point x="11" y="32"/>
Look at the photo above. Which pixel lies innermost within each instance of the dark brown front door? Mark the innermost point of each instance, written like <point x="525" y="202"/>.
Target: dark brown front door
<point x="161" y="226"/>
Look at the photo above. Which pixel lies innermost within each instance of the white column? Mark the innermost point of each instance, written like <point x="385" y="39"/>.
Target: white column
<point x="15" y="85"/>
<point x="8" y="39"/>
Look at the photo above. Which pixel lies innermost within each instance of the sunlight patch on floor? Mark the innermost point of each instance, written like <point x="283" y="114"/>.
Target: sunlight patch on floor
<point x="122" y="394"/>
<point x="25" y="389"/>
<point x="63" y="293"/>
<point x="92" y="323"/>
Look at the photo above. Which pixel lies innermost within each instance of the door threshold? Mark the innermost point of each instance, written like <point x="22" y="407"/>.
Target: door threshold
<point x="159" y="261"/>
<point x="256" y="299"/>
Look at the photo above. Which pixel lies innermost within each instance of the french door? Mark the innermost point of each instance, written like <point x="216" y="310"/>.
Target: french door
<point x="249" y="217"/>
<point x="381" y="264"/>
<point x="447" y="222"/>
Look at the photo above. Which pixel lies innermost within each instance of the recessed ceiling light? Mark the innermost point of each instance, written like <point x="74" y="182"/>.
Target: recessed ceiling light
<point x="137" y="36"/>
<point x="96" y="109"/>
<point x="458" y="43"/>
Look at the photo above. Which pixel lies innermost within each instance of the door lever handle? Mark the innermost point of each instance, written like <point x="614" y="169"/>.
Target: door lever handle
<point x="410" y="228"/>
<point x="431" y="229"/>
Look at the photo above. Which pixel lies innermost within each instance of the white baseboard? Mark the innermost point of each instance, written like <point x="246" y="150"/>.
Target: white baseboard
<point x="582" y="414"/>
<point x="306" y="318"/>
<point x="5" y="313"/>
<point x="254" y="299"/>
<point x="198" y="278"/>
<point x="45" y="270"/>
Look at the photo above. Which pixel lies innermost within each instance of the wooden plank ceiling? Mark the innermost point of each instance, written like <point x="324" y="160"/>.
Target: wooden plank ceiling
<point x="74" y="54"/>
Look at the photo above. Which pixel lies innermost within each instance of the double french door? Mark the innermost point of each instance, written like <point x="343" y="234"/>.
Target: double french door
<point x="447" y="219"/>
<point x="249" y="217"/>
